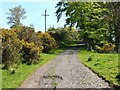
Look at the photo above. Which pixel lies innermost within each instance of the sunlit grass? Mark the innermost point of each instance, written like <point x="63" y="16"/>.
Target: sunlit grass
<point x="106" y="65"/>
<point x="15" y="80"/>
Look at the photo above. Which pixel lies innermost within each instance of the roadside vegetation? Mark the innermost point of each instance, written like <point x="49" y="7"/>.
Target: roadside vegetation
<point x="14" y="80"/>
<point x="24" y="50"/>
<point x="94" y="24"/>
<point x="99" y="29"/>
<point x="104" y="64"/>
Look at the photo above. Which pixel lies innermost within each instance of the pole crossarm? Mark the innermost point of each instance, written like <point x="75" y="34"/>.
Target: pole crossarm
<point x="45" y="18"/>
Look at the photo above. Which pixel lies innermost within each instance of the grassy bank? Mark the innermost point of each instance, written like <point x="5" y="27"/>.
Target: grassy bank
<point x="14" y="81"/>
<point x="106" y="65"/>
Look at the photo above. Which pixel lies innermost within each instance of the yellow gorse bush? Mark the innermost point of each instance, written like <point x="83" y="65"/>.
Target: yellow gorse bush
<point x="11" y="47"/>
<point x="107" y="47"/>
<point x="24" y="45"/>
<point x="48" y="42"/>
<point x="28" y="45"/>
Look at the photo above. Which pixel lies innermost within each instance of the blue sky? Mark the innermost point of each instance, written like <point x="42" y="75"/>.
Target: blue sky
<point x="34" y="11"/>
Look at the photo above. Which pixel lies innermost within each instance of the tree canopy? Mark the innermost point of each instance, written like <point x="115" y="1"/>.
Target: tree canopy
<point x="98" y="22"/>
<point x="15" y="15"/>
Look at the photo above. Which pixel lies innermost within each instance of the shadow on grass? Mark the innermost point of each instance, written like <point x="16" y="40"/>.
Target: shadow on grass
<point x="118" y="79"/>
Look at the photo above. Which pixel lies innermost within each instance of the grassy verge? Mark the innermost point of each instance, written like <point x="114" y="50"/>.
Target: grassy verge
<point x="14" y="81"/>
<point x="105" y="65"/>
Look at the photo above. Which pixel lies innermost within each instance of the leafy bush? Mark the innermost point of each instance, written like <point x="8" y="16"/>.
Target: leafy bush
<point x="48" y="41"/>
<point x="62" y="44"/>
<point x="106" y="48"/>
<point x="28" y="34"/>
<point x="31" y="53"/>
<point x="24" y="45"/>
<point x="66" y="35"/>
<point x="11" y="50"/>
<point x="32" y="44"/>
<point x="20" y="45"/>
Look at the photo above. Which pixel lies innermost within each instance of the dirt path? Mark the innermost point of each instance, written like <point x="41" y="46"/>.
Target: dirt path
<point x="65" y="71"/>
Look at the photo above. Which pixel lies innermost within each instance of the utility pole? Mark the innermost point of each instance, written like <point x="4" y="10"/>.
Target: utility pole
<point x="45" y="18"/>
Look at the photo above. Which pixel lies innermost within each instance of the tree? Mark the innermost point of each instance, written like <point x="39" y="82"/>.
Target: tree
<point x="15" y="15"/>
<point x="65" y="36"/>
<point x="114" y="8"/>
<point x="95" y="20"/>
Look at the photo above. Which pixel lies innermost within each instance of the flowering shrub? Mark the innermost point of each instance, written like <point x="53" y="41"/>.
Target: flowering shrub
<point x="48" y="42"/>
<point x="24" y="45"/>
<point x="11" y="49"/>
<point x="32" y="44"/>
<point x="17" y="48"/>
<point x="28" y="34"/>
<point x="31" y="53"/>
<point x="106" y="48"/>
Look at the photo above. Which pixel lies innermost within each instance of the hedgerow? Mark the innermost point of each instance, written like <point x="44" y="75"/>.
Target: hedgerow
<point x="31" y="53"/>
<point x="32" y="44"/>
<point x="11" y="49"/>
<point x="24" y="45"/>
<point x="106" y="48"/>
<point x="48" y="41"/>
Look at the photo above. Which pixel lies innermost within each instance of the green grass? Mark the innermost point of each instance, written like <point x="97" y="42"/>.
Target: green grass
<point x="15" y="80"/>
<point x="106" y="65"/>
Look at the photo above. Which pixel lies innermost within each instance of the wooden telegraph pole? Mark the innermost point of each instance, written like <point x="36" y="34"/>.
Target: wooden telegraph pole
<point x="45" y="18"/>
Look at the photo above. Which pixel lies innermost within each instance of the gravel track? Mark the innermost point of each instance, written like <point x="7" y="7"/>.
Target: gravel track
<point x="65" y="71"/>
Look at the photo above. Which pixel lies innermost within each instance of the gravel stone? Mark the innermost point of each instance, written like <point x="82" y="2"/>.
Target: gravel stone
<point x="65" y="71"/>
